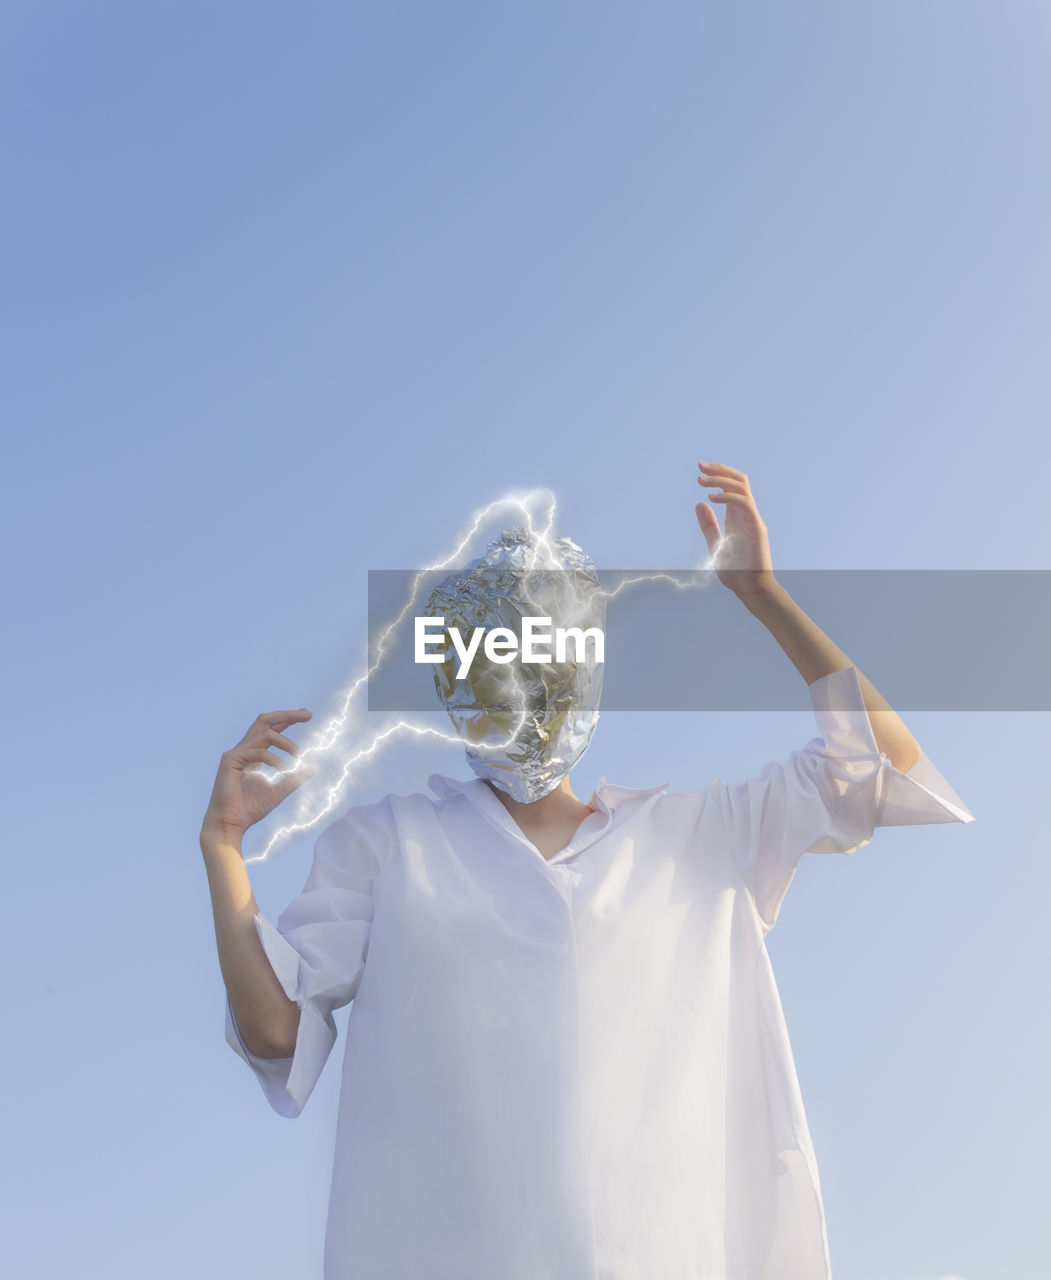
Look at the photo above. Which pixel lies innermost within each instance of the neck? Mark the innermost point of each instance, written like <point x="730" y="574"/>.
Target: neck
<point x="556" y="804"/>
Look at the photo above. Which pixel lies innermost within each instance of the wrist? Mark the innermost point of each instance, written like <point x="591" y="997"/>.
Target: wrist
<point x="219" y="835"/>
<point x="755" y="587"/>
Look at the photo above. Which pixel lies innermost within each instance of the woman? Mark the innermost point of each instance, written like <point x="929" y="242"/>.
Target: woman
<point x="566" y="1057"/>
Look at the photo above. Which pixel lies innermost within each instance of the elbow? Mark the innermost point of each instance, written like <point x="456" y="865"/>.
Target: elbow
<point x="277" y="1041"/>
<point x="904" y="758"/>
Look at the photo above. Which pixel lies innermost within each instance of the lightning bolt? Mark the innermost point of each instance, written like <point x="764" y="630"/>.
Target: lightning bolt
<point x="327" y="738"/>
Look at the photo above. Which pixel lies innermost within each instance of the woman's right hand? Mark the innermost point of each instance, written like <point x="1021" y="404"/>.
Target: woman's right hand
<point x="241" y="795"/>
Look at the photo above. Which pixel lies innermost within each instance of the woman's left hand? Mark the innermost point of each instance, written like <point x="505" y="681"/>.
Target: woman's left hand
<point x="743" y="562"/>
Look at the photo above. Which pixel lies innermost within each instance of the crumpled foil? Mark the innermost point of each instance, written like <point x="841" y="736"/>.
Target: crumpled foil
<point x="524" y="725"/>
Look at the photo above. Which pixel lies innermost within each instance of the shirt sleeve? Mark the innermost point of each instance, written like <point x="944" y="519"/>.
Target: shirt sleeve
<point x="826" y="797"/>
<point x="318" y="951"/>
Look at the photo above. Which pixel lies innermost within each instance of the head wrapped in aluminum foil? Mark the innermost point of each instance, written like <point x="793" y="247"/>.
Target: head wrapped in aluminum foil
<point x="524" y="725"/>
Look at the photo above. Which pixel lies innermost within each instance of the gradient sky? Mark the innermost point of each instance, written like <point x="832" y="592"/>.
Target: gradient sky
<point x="292" y="290"/>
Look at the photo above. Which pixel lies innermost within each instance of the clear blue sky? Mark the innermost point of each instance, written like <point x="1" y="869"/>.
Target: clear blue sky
<point x="289" y="291"/>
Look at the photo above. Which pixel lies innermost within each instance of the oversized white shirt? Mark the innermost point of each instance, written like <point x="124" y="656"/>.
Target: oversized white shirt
<point x="574" y="1068"/>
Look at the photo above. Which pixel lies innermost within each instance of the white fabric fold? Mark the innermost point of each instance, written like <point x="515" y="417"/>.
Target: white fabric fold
<point x="317" y="951"/>
<point x="827" y="797"/>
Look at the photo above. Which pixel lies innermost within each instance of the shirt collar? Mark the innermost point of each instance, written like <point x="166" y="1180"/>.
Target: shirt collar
<point x="607" y="795"/>
<point x="610" y="796"/>
<point x="610" y="801"/>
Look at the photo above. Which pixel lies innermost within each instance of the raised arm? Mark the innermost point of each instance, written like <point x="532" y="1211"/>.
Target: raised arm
<point x="267" y="1018"/>
<point x="742" y="561"/>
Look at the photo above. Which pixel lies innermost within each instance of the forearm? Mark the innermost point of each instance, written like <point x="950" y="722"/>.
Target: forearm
<point x="814" y="655"/>
<point x="267" y="1019"/>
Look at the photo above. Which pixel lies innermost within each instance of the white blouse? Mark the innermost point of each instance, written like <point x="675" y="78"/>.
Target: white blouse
<point x="574" y="1068"/>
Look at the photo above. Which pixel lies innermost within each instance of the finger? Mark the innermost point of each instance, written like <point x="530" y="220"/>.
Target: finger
<point x="289" y="784"/>
<point x="722" y="469"/>
<point x="281" y="719"/>
<point x="275" y="739"/>
<point x="261" y="755"/>
<point x="277" y="720"/>
<point x="709" y="523"/>
<point x="735" y="499"/>
<point x="724" y="482"/>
